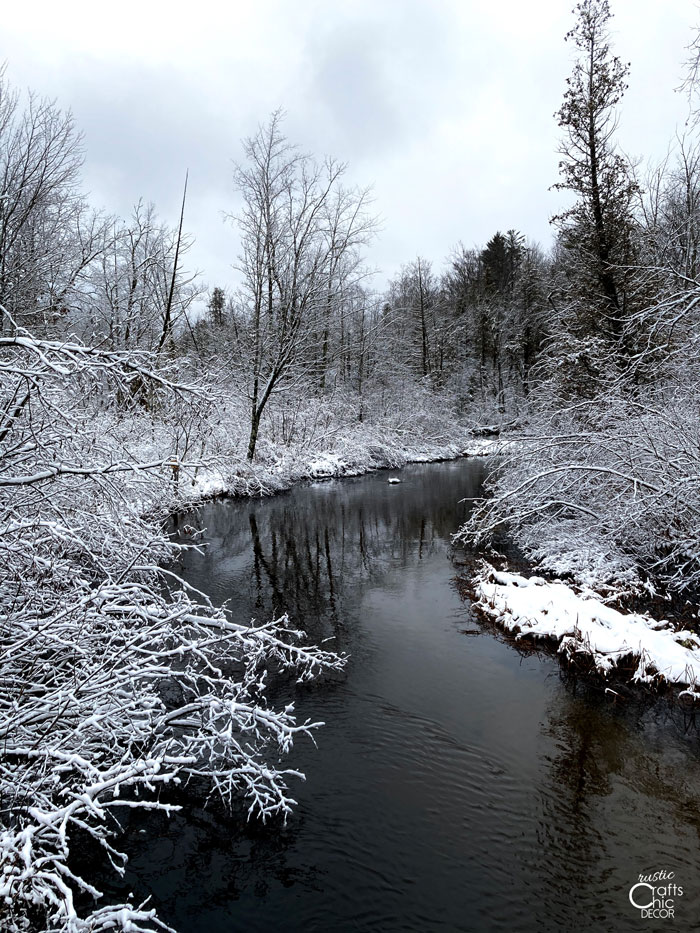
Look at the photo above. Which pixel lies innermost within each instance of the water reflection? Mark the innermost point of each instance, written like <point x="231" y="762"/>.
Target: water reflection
<point x="618" y="799"/>
<point x="304" y="551"/>
<point x="456" y="786"/>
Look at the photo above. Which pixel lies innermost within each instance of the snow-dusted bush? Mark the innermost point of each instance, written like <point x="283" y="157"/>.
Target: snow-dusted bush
<point x="112" y="684"/>
<point x="605" y="491"/>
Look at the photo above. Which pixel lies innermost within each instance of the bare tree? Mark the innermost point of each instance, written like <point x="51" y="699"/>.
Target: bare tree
<point x="300" y="233"/>
<point x="136" y="294"/>
<point x="46" y="236"/>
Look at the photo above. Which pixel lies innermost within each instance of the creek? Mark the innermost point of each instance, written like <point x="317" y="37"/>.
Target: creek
<point x="458" y="784"/>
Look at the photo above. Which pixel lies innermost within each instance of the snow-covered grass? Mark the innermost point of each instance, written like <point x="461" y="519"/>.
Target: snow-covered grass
<point x="583" y="626"/>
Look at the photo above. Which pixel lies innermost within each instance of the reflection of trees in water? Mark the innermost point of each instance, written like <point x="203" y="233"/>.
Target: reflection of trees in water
<point x="607" y="777"/>
<point x="304" y="552"/>
<point x="308" y="553"/>
<point x="585" y="756"/>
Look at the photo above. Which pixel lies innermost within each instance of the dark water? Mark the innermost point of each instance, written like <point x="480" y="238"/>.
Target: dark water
<point x="456" y="785"/>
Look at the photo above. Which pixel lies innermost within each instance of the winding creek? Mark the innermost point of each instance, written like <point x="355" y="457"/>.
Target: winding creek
<point x="457" y="785"/>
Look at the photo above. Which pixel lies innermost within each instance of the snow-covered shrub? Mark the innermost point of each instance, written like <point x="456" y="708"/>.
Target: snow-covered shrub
<point x="112" y="684"/>
<point x="605" y="490"/>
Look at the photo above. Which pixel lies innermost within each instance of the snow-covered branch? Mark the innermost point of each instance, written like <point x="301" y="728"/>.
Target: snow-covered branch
<point x="116" y="682"/>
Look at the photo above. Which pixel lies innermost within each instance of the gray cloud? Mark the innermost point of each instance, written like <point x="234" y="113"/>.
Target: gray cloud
<point x="376" y="75"/>
<point x="446" y="106"/>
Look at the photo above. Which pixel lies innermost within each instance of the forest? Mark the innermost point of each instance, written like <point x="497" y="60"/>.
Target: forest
<point x="130" y="388"/>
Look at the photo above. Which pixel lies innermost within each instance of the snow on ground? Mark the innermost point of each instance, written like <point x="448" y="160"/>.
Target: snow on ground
<point x="209" y="485"/>
<point x="483" y="447"/>
<point x="584" y="625"/>
<point x="327" y="464"/>
<point x="279" y="468"/>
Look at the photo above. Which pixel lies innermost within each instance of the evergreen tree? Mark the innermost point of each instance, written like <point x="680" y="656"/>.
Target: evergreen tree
<point x="596" y="230"/>
<point x="217" y="304"/>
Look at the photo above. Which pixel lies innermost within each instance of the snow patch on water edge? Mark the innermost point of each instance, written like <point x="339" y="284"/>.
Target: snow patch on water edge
<point x="584" y="628"/>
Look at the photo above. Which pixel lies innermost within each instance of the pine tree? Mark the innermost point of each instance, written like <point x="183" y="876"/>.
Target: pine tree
<point x="217" y="304"/>
<point x="596" y="230"/>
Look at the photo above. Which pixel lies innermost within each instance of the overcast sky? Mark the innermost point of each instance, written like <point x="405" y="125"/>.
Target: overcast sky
<point x="444" y="106"/>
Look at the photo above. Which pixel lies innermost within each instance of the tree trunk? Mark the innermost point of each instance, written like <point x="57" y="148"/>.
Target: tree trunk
<point x="254" y="428"/>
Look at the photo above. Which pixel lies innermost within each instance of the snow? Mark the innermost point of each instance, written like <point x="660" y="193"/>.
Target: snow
<point x="583" y="624"/>
<point x="328" y="464"/>
<point x="210" y="485"/>
<point x="353" y="453"/>
<point x="482" y="447"/>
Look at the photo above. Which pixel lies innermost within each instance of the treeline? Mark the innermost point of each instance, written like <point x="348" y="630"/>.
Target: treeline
<point x="580" y="342"/>
<point x="306" y="322"/>
<point x="304" y="319"/>
<point x="469" y="335"/>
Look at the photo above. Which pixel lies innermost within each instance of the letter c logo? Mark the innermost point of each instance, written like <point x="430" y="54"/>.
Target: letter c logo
<point x="641" y="884"/>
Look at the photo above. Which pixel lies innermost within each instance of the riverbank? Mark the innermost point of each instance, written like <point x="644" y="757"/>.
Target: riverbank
<point x="586" y="632"/>
<point x="279" y="469"/>
<point x="588" y="569"/>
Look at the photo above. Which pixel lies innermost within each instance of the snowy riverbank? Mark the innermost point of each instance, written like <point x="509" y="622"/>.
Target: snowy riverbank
<point x="356" y="455"/>
<point x="585" y="628"/>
